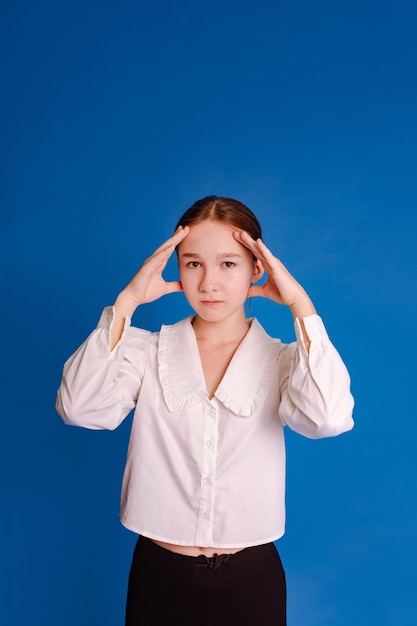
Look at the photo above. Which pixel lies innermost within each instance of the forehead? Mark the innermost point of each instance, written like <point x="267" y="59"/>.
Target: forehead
<point x="210" y="236"/>
<point x="213" y="226"/>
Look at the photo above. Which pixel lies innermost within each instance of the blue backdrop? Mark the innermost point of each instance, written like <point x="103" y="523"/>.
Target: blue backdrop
<point x="115" y="117"/>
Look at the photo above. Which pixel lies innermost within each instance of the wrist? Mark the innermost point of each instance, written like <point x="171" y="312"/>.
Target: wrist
<point x="303" y="307"/>
<point x="125" y="305"/>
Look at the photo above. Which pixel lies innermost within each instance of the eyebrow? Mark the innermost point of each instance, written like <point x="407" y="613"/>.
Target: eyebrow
<point x="223" y="255"/>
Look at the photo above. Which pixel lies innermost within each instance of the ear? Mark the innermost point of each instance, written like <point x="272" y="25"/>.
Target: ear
<point x="259" y="271"/>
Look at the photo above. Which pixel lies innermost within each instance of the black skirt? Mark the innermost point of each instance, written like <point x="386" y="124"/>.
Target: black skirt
<point x="247" y="588"/>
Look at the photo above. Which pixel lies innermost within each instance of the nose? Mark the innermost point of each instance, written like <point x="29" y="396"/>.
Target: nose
<point x="207" y="282"/>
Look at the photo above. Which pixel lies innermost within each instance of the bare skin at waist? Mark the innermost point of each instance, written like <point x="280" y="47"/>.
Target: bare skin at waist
<point x="195" y="550"/>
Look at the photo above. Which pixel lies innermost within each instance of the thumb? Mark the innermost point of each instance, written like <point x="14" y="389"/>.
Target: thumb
<point x="255" y="290"/>
<point x="174" y="286"/>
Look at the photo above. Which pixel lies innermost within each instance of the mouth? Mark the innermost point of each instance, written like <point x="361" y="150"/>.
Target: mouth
<point x="211" y="302"/>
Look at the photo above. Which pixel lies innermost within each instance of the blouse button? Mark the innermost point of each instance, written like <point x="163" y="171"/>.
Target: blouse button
<point x="205" y="516"/>
<point x="210" y="444"/>
<point x="207" y="481"/>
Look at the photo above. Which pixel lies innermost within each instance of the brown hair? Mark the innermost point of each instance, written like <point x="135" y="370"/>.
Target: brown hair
<point x="226" y="210"/>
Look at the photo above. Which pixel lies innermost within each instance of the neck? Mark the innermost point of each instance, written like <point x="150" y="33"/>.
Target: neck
<point x="229" y="330"/>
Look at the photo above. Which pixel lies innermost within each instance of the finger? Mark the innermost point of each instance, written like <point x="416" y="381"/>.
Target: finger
<point x="179" y="235"/>
<point x="259" y="250"/>
<point x="263" y="249"/>
<point x="269" y="260"/>
<point x="162" y="254"/>
<point x="169" y="246"/>
<point x="257" y="247"/>
<point x="245" y="239"/>
<point x="171" y="243"/>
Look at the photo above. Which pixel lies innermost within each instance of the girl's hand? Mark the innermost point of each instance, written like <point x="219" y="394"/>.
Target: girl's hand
<point x="148" y="283"/>
<point x="280" y="286"/>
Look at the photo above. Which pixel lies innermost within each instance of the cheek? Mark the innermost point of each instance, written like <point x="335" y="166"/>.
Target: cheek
<point x="241" y="286"/>
<point x="186" y="280"/>
<point x="250" y="275"/>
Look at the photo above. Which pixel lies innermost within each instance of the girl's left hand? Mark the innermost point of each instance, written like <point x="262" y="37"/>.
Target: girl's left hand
<point x="281" y="286"/>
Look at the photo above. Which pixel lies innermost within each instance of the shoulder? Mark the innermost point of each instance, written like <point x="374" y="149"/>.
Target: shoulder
<point x="169" y="335"/>
<point x="259" y="334"/>
<point x="269" y="350"/>
<point x="176" y="337"/>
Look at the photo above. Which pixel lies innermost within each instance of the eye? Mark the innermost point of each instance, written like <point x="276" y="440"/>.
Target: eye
<point x="193" y="264"/>
<point x="229" y="264"/>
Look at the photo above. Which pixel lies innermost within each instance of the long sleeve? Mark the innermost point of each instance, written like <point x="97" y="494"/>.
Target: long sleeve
<point x="100" y="387"/>
<point x="315" y="391"/>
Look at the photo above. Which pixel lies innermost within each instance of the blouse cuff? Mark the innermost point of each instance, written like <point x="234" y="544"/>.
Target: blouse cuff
<point x="314" y="328"/>
<point x="106" y="322"/>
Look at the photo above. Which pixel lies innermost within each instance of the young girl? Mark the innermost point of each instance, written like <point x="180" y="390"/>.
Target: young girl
<point x="204" y="482"/>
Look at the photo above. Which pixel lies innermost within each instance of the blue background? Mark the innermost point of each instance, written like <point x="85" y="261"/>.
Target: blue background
<point x="115" y="117"/>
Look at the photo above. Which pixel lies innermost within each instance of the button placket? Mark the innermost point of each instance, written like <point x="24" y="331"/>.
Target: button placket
<point x="209" y="456"/>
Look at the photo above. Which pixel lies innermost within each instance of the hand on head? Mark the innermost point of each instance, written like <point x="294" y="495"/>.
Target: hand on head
<point x="148" y="283"/>
<point x="280" y="286"/>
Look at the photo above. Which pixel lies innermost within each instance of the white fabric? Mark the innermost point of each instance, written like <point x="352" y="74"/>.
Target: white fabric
<point x="200" y="471"/>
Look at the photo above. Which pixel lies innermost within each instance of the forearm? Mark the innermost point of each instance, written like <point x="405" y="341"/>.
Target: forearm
<point x="303" y="307"/>
<point x="124" y="307"/>
<point x="100" y="387"/>
<point x="315" y="397"/>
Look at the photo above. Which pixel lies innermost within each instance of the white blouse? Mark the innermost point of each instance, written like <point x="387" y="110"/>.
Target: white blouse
<point x="199" y="471"/>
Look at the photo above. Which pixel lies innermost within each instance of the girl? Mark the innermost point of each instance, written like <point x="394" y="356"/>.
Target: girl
<point x="204" y="482"/>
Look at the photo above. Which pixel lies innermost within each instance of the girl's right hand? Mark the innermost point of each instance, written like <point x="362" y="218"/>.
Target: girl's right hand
<point x="148" y="283"/>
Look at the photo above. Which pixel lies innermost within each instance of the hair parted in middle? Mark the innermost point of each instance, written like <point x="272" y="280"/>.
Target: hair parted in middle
<point x="227" y="210"/>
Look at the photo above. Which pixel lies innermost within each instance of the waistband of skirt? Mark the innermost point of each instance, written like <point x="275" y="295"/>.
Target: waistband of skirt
<point x="237" y="566"/>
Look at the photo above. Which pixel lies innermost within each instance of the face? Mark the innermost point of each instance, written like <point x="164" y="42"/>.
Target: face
<point x="215" y="271"/>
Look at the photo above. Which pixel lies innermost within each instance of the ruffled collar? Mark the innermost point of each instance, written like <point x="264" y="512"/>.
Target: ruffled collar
<point x="243" y="384"/>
